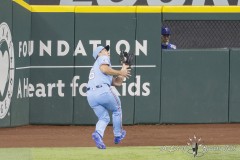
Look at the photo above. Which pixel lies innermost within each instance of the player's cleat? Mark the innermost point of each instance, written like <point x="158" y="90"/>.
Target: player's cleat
<point x="98" y="140"/>
<point x="117" y="140"/>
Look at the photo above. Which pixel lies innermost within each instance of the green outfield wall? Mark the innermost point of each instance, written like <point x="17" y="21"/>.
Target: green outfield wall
<point x="5" y="24"/>
<point x="234" y="86"/>
<point x="45" y="63"/>
<point x="53" y="106"/>
<point x="147" y="102"/>
<point x="194" y="86"/>
<point x="117" y="33"/>
<point x="22" y="47"/>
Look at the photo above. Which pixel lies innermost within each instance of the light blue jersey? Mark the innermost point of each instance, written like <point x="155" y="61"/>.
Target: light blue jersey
<point x="96" y="76"/>
<point x="169" y="46"/>
<point x="102" y="99"/>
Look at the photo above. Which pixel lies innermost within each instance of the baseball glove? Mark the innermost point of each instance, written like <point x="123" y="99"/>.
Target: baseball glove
<point x="127" y="58"/>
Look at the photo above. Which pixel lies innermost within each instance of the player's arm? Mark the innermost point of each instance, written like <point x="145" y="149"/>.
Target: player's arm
<point x="124" y="72"/>
<point x="117" y="81"/>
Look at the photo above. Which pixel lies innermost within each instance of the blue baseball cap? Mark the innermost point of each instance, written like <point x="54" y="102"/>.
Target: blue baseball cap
<point x="99" y="49"/>
<point x="166" y="30"/>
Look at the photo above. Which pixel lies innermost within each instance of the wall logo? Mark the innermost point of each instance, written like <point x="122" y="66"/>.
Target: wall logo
<point x="197" y="147"/>
<point x="6" y="69"/>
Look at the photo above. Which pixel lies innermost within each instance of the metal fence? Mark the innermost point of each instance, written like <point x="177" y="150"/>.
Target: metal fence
<point x="188" y="34"/>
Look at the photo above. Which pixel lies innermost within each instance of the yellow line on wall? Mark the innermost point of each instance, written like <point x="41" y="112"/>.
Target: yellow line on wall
<point x="52" y="8"/>
<point x="105" y="9"/>
<point x="129" y="9"/>
<point x="147" y="9"/>
<point x="201" y="9"/>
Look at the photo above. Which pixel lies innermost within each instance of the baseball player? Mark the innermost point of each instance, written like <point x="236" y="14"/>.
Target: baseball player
<point x="102" y="99"/>
<point x="165" y="39"/>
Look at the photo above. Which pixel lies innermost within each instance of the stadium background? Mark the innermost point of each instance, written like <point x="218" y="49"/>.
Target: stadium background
<point x="198" y="83"/>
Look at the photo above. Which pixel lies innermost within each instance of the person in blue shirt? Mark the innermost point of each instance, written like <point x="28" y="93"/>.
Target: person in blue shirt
<point x="101" y="97"/>
<point x="166" y="38"/>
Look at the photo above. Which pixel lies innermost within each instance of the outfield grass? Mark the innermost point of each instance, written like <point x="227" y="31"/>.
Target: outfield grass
<point x="121" y="153"/>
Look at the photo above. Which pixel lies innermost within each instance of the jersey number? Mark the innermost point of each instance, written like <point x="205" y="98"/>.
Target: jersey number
<point x="92" y="74"/>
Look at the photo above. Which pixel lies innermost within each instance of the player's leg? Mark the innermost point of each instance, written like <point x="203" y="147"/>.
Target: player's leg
<point x="100" y="111"/>
<point x="114" y="105"/>
<point x="103" y="120"/>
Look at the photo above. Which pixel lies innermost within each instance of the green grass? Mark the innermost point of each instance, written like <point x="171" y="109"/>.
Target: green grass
<point x="121" y="153"/>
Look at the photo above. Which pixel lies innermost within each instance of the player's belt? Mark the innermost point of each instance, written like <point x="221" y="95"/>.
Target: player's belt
<point x="97" y="86"/>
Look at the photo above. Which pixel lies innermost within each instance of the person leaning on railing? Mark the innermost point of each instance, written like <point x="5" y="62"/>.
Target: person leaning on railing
<point x="165" y="38"/>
